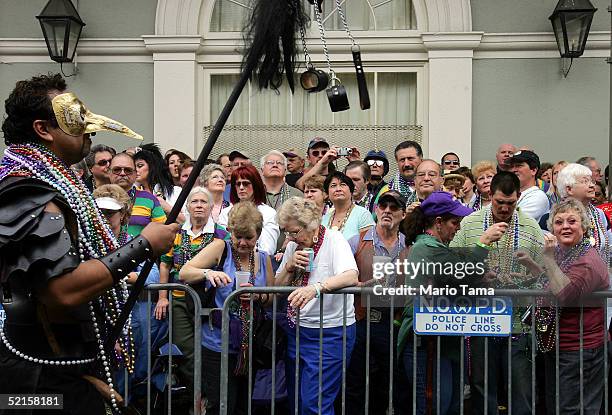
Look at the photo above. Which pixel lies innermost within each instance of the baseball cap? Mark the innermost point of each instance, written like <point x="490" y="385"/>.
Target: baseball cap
<point x="394" y="196"/>
<point x="235" y="154"/>
<point x="440" y="203"/>
<point x="108" y="203"/>
<point x="525" y="156"/>
<point x="318" y="141"/>
<point x="292" y="152"/>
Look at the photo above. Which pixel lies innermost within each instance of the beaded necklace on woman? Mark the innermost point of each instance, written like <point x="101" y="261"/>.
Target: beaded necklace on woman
<point x="545" y="315"/>
<point x="241" y="365"/>
<point x="95" y="240"/>
<point x="597" y="233"/>
<point x="344" y="220"/>
<point x="302" y="277"/>
<point x="188" y="250"/>
<point x="501" y="260"/>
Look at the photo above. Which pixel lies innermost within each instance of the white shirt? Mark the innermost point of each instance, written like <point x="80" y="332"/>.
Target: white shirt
<point x="269" y="233"/>
<point x="208" y="228"/>
<point x="334" y="257"/>
<point x="534" y="203"/>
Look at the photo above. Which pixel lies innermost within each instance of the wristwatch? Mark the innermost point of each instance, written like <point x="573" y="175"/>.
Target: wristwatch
<point x="205" y="273"/>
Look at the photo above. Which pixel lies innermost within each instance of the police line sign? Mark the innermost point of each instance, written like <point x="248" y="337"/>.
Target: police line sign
<point x="463" y="316"/>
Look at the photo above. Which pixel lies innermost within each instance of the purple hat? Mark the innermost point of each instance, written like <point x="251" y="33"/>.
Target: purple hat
<point x="439" y="203"/>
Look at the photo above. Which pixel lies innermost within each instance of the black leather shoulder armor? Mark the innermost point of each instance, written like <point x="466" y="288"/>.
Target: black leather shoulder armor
<point x="33" y="241"/>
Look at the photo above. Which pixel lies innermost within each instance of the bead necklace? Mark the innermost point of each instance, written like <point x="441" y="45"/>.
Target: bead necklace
<point x="365" y="201"/>
<point x="304" y="276"/>
<point x="402" y="185"/>
<point x="502" y="259"/>
<point x="187" y="249"/>
<point x="333" y="218"/>
<point x="545" y="315"/>
<point x="95" y="240"/>
<point x="244" y="314"/>
<point x="597" y="234"/>
<point x="281" y="197"/>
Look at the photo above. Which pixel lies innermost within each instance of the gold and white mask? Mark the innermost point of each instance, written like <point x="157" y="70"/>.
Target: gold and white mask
<point x="74" y="118"/>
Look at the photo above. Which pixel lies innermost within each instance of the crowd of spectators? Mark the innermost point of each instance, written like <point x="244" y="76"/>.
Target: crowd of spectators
<point x="297" y="220"/>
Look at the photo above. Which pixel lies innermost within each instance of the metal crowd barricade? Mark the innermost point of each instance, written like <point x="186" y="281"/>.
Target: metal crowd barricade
<point x="526" y="295"/>
<point x="197" y="338"/>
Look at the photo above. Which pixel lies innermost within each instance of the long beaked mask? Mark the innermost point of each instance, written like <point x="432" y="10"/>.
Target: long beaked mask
<point x="74" y="118"/>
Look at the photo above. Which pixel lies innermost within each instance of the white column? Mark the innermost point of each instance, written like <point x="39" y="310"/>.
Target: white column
<point x="450" y="93"/>
<point x="175" y="91"/>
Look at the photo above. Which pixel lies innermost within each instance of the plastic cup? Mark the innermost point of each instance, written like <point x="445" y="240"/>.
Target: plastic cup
<point x="242" y="277"/>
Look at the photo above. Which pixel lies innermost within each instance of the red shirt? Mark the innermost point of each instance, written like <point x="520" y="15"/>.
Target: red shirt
<point x="587" y="274"/>
<point x="607" y="208"/>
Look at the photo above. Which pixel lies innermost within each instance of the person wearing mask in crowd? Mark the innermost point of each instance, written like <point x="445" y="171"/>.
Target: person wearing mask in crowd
<point x="504" y="152"/>
<point x="295" y="166"/>
<point x="450" y="161"/>
<point x="185" y="171"/>
<point x="212" y="178"/>
<point x="553" y="194"/>
<point x="173" y="160"/>
<point x="273" y="169"/>
<point x="429" y="229"/>
<point x="246" y="185"/>
<point x="379" y="167"/>
<point x="344" y="216"/>
<point x="483" y="172"/>
<point x="516" y="232"/>
<point x="469" y="186"/>
<point x="59" y="256"/>
<point x="314" y="190"/>
<point x="114" y="204"/>
<point x="240" y="253"/>
<point x="153" y="176"/>
<point x="333" y="267"/>
<point x="195" y="235"/>
<point x="575" y="181"/>
<point x="320" y="159"/>
<point x="532" y="201"/>
<point x="574" y="269"/>
<point x="384" y="240"/>
<point x="408" y="155"/>
<point x="98" y="161"/>
<point x="145" y="206"/>
<point x="593" y="165"/>
<point x="359" y="172"/>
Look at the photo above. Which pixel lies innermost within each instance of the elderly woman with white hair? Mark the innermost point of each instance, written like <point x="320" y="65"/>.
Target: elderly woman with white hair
<point x="575" y="181"/>
<point x="331" y="267"/>
<point x="196" y="233"/>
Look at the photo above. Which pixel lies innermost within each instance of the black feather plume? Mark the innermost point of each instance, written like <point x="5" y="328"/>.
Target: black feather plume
<point x="270" y="39"/>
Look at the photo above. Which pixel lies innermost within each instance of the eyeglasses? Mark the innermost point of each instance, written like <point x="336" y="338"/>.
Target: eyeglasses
<point x="315" y="153"/>
<point x="453" y="162"/>
<point x="377" y="163"/>
<point x="103" y="163"/>
<point x="294" y="234"/>
<point x="392" y="206"/>
<point x="271" y="163"/>
<point x="122" y="171"/>
<point x="244" y="183"/>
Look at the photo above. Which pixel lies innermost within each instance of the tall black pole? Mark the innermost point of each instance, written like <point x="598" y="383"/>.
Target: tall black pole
<point x="210" y="143"/>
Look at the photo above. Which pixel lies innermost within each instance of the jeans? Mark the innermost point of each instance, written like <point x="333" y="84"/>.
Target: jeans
<point x="421" y="374"/>
<point x="569" y="381"/>
<point x="331" y="374"/>
<point x="498" y="367"/>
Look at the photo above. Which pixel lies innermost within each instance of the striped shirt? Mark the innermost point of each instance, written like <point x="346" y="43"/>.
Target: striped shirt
<point x="146" y="209"/>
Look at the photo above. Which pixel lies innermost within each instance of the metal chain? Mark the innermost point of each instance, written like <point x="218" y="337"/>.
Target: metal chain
<point x="343" y="18"/>
<point x="324" y="41"/>
<point x="307" y="58"/>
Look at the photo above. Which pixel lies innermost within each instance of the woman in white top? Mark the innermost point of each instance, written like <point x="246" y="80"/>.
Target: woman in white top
<point x="246" y="185"/>
<point x="333" y="268"/>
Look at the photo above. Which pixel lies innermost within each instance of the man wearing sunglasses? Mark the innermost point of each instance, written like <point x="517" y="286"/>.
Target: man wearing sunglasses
<point x="145" y="206"/>
<point x="98" y="161"/>
<point x="450" y="161"/>
<point x="320" y="159"/>
<point x="379" y="167"/>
